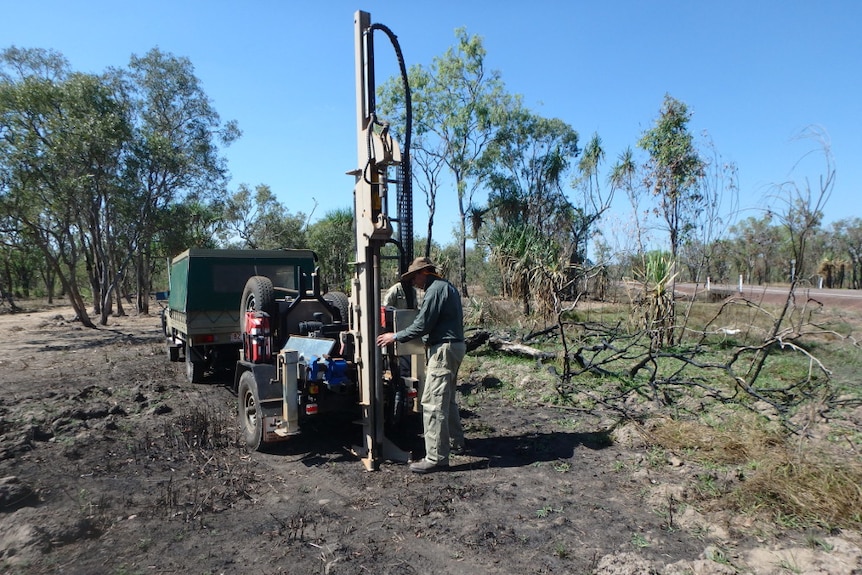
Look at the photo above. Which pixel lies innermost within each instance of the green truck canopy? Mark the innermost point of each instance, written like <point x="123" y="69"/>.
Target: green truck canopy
<point x="212" y="279"/>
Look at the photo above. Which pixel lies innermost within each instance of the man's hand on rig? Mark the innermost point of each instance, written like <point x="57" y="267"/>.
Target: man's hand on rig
<point x="385" y="339"/>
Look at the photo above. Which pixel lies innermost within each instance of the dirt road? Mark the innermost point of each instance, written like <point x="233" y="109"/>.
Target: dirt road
<point x="843" y="299"/>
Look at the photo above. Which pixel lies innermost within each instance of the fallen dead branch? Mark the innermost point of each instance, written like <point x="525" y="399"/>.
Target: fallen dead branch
<point x="504" y="345"/>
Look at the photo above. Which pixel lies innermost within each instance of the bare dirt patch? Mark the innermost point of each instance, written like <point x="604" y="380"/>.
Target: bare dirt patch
<point x="111" y="463"/>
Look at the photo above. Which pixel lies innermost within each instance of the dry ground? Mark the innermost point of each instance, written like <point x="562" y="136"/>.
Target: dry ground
<point x="111" y="463"/>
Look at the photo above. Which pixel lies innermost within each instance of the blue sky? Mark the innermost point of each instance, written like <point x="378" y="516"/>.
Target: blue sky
<point x="755" y="74"/>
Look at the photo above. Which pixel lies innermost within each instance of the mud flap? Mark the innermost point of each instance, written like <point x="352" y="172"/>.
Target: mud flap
<point x="271" y="412"/>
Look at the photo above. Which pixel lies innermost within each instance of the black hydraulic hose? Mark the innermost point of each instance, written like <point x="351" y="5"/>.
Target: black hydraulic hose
<point x="408" y="103"/>
<point x="405" y="191"/>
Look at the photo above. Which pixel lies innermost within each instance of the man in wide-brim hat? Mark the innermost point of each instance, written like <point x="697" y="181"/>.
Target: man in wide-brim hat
<point x="440" y="323"/>
<point x="418" y="265"/>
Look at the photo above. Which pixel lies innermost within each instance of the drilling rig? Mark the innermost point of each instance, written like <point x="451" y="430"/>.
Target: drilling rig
<point x="378" y="154"/>
<point x="300" y="353"/>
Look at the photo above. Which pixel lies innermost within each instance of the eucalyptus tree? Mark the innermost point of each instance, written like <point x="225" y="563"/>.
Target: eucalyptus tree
<point x="674" y="170"/>
<point x="456" y="107"/>
<point x="203" y="223"/>
<point x="530" y="158"/>
<point x="23" y="269"/>
<point x="428" y="164"/>
<point x="62" y="136"/>
<point x="427" y="151"/>
<point x="176" y="148"/>
<point x="90" y="161"/>
<point x="10" y="272"/>
<point x="755" y="243"/>
<point x="673" y="173"/>
<point x="847" y="237"/>
<point x="328" y="238"/>
<point x="534" y="230"/>
<point x="260" y="221"/>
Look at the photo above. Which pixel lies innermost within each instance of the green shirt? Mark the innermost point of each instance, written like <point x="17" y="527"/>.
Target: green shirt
<point x="441" y="316"/>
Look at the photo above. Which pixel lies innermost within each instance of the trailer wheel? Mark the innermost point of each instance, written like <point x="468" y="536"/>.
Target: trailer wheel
<point x="250" y="416"/>
<point x="339" y="301"/>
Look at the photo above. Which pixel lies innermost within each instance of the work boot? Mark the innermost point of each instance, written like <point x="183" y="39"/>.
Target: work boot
<point x="425" y="466"/>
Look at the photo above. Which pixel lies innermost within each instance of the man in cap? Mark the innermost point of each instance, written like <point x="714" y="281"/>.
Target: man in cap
<point x="440" y="322"/>
<point x="400" y="296"/>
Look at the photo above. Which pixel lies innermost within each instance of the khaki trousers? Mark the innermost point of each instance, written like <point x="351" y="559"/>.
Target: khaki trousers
<point x="440" y="416"/>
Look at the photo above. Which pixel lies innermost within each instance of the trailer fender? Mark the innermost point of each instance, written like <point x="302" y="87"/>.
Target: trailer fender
<point x="265" y="377"/>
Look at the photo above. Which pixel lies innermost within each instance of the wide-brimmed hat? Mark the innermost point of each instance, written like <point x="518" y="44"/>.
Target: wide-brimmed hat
<point x="417" y="266"/>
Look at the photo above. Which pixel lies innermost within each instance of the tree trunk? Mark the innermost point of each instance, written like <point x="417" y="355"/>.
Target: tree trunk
<point x="462" y="255"/>
<point x="48" y="278"/>
<point x="7" y="295"/>
<point x="142" y="277"/>
<point x="77" y="301"/>
<point x="120" y="310"/>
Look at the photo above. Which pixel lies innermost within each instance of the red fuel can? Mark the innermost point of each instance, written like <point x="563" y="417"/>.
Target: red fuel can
<point x="257" y="341"/>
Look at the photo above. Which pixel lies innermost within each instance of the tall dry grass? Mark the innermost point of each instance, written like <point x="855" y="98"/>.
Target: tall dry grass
<point x="794" y="480"/>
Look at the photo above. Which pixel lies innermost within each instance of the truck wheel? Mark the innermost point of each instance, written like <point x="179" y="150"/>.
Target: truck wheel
<point x="173" y="351"/>
<point x="339" y="301"/>
<point x="249" y="413"/>
<point x="195" y="365"/>
<point x="164" y="318"/>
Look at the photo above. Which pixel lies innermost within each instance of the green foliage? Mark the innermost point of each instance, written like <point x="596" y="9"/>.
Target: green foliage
<point x="654" y="305"/>
<point x="333" y="240"/>
<point x="201" y="220"/>
<point x="674" y="170"/>
<point x="92" y="163"/>
<point x="260" y="221"/>
<point x="23" y="272"/>
<point x="482" y="272"/>
<point x="530" y="264"/>
<point x="530" y="158"/>
<point x="62" y="144"/>
<point x="640" y="541"/>
<point x="457" y="107"/>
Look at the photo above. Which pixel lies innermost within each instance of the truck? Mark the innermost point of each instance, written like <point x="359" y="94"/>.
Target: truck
<point x="297" y="353"/>
<point x="201" y="319"/>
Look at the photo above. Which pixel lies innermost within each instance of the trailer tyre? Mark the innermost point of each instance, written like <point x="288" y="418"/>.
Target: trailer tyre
<point x="249" y="413"/>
